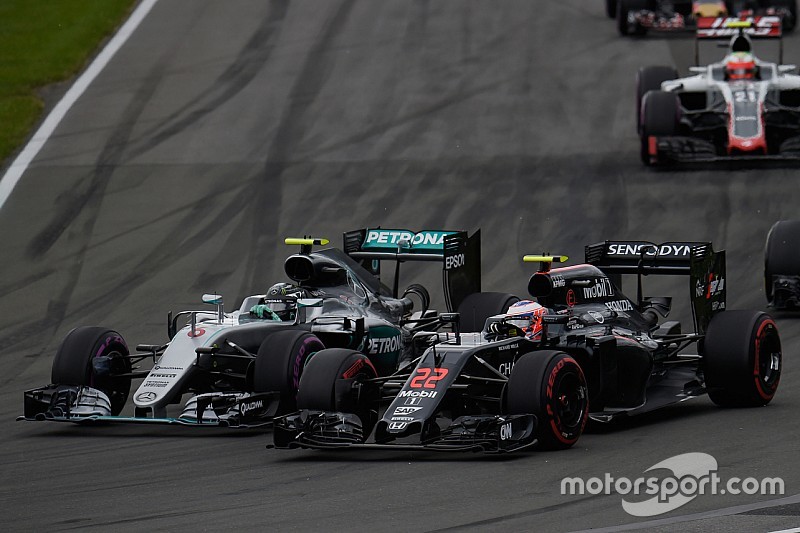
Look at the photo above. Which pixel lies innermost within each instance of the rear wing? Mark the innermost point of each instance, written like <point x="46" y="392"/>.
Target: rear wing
<point x="739" y="31"/>
<point x="698" y="260"/>
<point x="459" y="254"/>
<point x="766" y="27"/>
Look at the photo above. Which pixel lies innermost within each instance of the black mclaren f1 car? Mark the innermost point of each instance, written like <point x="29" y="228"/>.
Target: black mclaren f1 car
<point x="594" y="353"/>
<point x="243" y="367"/>
<point x="782" y="265"/>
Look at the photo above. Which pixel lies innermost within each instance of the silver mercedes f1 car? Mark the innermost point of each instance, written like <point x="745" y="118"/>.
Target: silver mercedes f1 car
<point x="241" y="368"/>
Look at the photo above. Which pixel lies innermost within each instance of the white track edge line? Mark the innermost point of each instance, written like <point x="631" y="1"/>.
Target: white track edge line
<point x="24" y="159"/>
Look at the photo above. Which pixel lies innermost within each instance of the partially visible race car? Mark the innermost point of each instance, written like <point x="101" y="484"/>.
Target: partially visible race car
<point x="242" y="368"/>
<point x="782" y="265"/>
<point x="637" y="17"/>
<point x="739" y="108"/>
<point x="587" y="352"/>
<point x="695" y="8"/>
<point x="738" y="357"/>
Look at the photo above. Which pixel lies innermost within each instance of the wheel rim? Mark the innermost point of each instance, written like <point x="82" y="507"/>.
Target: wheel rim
<point x="767" y="368"/>
<point x="570" y="402"/>
<point x="115" y="387"/>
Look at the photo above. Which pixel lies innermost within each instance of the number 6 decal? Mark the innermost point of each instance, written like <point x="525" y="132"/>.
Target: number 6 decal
<point x="427" y="380"/>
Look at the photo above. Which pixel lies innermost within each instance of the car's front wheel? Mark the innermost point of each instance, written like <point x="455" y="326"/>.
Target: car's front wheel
<point x="551" y="385"/>
<point x="649" y="79"/>
<point x="661" y="113"/>
<point x="337" y="380"/>
<point x="95" y="357"/>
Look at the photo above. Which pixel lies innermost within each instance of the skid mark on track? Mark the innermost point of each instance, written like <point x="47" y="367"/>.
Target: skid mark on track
<point x="482" y="524"/>
<point x="76" y="214"/>
<point x="232" y="81"/>
<point x="266" y="198"/>
<point x="304" y="91"/>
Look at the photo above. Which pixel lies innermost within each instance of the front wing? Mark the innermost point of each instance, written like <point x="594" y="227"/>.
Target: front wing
<point x="332" y="430"/>
<point x="692" y="150"/>
<point x="85" y="405"/>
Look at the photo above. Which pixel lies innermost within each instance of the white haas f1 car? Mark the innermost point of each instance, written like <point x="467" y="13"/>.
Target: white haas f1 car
<point x="738" y="108"/>
<point x="243" y="367"/>
<point x="637" y="17"/>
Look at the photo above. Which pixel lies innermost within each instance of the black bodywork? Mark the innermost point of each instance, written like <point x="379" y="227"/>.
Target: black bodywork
<point x="633" y="362"/>
<point x="641" y="365"/>
<point x="449" y="399"/>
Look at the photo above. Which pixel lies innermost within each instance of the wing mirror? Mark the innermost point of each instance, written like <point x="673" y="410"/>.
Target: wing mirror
<point x="215" y="300"/>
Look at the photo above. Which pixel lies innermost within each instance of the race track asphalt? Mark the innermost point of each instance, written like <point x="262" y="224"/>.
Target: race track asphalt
<point x="222" y="127"/>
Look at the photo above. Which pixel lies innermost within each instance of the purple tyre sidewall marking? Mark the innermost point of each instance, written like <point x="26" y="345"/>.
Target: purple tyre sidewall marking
<point x="310" y="344"/>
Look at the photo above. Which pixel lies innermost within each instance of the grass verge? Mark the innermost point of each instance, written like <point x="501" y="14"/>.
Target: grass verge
<point x="43" y="42"/>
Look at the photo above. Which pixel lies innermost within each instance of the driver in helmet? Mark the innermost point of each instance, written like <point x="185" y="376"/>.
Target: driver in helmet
<point x="527" y="315"/>
<point x="740" y="66"/>
<point x="279" y="303"/>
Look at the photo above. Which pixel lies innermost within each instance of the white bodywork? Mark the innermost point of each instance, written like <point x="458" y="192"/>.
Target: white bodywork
<point x="175" y="364"/>
<point x="744" y="98"/>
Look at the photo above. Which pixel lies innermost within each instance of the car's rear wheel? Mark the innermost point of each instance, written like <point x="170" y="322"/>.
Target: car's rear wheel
<point x="477" y="307"/>
<point x="660" y="118"/>
<point x="781" y="253"/>
<point x="742" y="359"/>
<point x="551" y="385"/>
<point x="611" y="8"/>
<point x="335" y="379"/>
<point x="627" y="6"/>
<point x="790" y="21"/>
<point x="95" y="357"/>
<point x="650" y="79"/>
<point x="280" y="363"/>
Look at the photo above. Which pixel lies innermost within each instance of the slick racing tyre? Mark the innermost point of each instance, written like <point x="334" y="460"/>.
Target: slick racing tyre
<point x="611" y="8"/>
<point x="789" y="21"/>
<point x="660" y="118"/>
<point x="280" y="361"/>
<point x="334" y="380"/>
<point x="742" y="359"/>
<point x="650" y="79"/>
<point x="626" y="6"/>
<point x="550" y="385"/>
<point x="781" y="255"/>
<point x="95" y="357"/>
<point x="479" y="306"/>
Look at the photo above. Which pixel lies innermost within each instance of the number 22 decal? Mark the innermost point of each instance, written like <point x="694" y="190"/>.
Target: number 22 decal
<point x="426" y="378"/>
